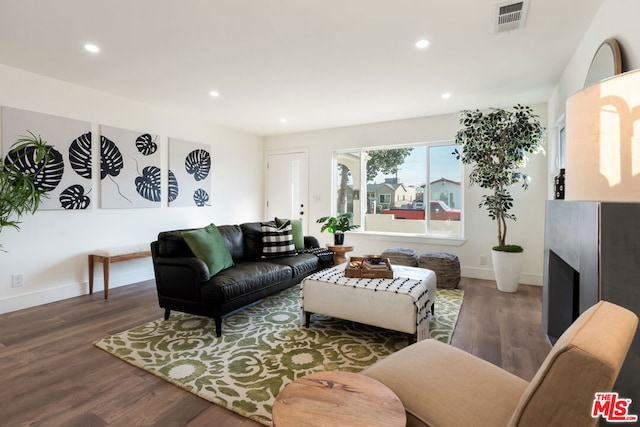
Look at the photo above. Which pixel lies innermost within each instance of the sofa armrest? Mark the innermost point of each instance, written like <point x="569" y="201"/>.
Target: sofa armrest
<point x="180" y="278"/>
<point x="195" y="266"/>
<point x="311" y="242"/>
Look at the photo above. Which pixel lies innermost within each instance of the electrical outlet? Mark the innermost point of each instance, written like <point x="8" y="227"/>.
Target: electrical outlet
<point x="17" y="280"/>
<point x="483" y="260"/>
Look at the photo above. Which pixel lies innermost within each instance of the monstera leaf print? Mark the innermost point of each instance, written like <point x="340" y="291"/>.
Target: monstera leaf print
<point x="111" y="162"/>
<point x="148" y="185"/>
<point x="173" y="187"/>
<point x="198" y="163"/>
<point x="200" y="197"/>
<point x="73" y="197"/>
<point x="145" y="145"/>
<point x="45" y="178"/>
<point x="80" y="155"/>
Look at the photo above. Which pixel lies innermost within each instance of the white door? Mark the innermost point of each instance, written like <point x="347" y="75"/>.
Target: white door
<point x="287" y="186"/>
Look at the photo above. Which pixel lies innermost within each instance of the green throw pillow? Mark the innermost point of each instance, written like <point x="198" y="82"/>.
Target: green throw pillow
<point x="208" y="245"/>
<point x="296" y="228"/>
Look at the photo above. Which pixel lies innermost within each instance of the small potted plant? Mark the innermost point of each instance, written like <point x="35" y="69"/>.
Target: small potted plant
<point x="495" y="144"/>
<point x="337" y="225"/>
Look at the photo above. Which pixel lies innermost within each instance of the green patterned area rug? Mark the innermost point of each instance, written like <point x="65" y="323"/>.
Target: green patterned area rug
<point x="262" y="348"/>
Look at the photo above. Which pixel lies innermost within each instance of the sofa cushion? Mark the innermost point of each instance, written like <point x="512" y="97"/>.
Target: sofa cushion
<point x="296" y="230"/>
<point x="233" y="238"/>
<point x="245" y="278"/>
<point x="301" y="264"/>
<point x="172" y="244"/>
<point x="252" y="235"/>
<point x="277" y="241"/>
<point x="208" y="245"/>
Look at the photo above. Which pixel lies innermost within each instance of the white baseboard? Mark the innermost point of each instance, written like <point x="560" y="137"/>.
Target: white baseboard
<point x="53" y="294"/>
<point x="487" y="274"/>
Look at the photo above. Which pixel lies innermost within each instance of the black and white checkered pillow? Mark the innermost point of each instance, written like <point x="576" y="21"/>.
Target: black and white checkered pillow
<point x="277" y="241"/>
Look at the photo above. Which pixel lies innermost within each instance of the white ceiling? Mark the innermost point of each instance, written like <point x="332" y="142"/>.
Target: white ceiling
<point x="319" y="63"/>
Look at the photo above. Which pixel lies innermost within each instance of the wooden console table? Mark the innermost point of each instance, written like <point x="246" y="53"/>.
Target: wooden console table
<point x="337" y="398"/>
<point x="107" y="256"/>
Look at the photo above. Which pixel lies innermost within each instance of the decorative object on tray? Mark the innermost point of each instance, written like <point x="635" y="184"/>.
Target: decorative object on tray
<point x="365" y="268"/>
<point x="373" y="259"/>
<point x="337" y="225"/>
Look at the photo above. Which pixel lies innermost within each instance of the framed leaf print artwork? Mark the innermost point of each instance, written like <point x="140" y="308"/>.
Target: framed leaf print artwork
<point x="189" y="173"/>
<point x="67" y="177"/>
<point x="129" y="168"/>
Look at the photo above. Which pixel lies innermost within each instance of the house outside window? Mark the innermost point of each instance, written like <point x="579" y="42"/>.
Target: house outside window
<point x="411" y="190"/>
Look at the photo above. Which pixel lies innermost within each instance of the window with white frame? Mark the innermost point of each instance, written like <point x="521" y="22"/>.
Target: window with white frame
<point x="411" y="190"/>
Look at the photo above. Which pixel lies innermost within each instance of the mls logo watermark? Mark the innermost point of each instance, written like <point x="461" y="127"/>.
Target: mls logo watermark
<point x="612" y="408"/>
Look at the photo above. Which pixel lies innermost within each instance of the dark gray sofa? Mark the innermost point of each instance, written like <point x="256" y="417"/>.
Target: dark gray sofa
<point x="183" y="282"/>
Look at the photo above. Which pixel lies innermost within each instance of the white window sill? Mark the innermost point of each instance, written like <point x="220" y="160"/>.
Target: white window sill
<point x="433" y="239"/>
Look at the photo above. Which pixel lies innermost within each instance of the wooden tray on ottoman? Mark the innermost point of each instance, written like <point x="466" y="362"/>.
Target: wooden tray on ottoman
<point x="358" y="267"/>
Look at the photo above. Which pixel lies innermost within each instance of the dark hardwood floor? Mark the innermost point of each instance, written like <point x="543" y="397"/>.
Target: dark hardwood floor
<point x="52" y="375"/>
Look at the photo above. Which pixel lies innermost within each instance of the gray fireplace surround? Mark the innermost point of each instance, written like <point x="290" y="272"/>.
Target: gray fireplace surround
<point x="592" y="253"/>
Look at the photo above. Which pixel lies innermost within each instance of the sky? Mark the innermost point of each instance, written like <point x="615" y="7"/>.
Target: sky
<point x="443" y="165"/>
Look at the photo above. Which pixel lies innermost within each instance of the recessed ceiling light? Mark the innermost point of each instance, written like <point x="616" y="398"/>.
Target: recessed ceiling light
<point x="422" y="44"/>
<point x="214" y="93"/>
<point x="446" y="95"/>
<point x="91" y="48"/>
<point x="283" y="120"/>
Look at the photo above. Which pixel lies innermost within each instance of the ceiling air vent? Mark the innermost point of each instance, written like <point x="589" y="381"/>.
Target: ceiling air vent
<point x="510" y="16"/>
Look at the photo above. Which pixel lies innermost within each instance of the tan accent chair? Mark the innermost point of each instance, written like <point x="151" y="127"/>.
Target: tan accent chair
<point x="441" y="385"/>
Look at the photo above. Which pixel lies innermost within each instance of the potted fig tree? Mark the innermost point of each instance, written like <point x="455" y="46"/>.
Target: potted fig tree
<point x="337" y="225"/>
<point x="495" y="144"/>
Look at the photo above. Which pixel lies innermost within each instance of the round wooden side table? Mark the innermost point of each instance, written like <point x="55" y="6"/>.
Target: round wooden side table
<point x="336" y="398"/>
<point x="339" y="252"/>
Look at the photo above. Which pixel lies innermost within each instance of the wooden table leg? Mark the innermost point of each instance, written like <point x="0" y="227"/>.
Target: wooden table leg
<point x="90" y="274"/>
<point x="106" y="262"/>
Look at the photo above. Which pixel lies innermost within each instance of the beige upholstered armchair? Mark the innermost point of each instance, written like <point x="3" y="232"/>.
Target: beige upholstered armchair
<point x="441" y="385"/>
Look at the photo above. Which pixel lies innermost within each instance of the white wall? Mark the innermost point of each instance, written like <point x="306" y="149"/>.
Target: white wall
<point x="51" y="248"/>
<point x="616" y="19"/>
<point x="480" y="231"/>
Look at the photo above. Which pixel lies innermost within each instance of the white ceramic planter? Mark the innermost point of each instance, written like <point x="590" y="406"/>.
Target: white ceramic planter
<point x="507" y="267"/>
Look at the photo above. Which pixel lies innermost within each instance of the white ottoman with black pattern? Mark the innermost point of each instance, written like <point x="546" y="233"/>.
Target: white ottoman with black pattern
<point x="404" y="303"/>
